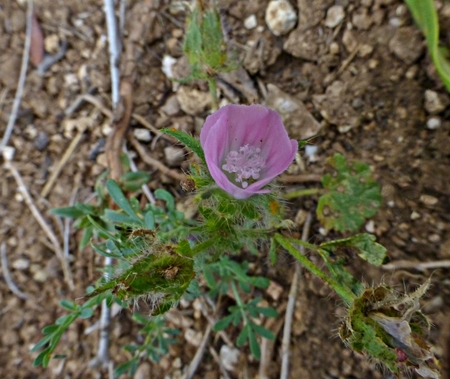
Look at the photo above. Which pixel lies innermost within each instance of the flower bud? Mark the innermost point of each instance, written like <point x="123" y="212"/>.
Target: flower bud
<point x="391" y="328"/>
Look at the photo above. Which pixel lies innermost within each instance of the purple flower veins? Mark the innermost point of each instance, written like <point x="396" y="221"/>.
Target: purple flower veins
<point x="245" y="148"/>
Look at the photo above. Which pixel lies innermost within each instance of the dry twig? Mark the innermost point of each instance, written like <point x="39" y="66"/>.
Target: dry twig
<point x="219" y="362"/>
<point x="45" y="227"/>
<point x="23" y="74"/>
<point x="285" y="344"/>
<point x="267" y="346"/>
<point x="420" y="266"/>
<point x="199" y="354"/>
<point x="299" y="178"/>
<point x="154" y="162"/>
<point x="62" y="163"/>
<point x="8" y="279"/>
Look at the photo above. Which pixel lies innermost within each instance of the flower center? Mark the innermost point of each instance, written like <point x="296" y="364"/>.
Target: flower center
<point x="245" y="164"/>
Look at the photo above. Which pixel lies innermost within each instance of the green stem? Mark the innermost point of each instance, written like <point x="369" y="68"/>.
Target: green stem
<point x="345" y="294"/>
<point x="202" y="246"/>
<point x="303" y="192"/>
<point x="239" y="302"/>
<point x="213" y="91"/>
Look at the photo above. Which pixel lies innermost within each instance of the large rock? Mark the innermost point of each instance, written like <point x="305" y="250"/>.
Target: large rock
<point x="298" y="120"/>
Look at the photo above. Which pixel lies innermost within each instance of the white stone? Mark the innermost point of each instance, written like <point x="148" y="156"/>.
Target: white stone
<point x="370" y="227"/>
<point x="280" y="17"/>
<point x="21" y="264"/>
<point x="193" y="337"/>
<point x="174" y="155"/>
<point x="415" y="215"/>
<point x="167" y="65"/>
<point x="229" y="357"/>
<point x="8" y="153"/>
<point x="335" y="15"/>
<point x="434" y="102"/>
<point x="434" y="123"/>
<point x="192" y="101"/>
<point x="142" y="134"/>
<point x="311" y="153"/>
<point x="250" y="22"/>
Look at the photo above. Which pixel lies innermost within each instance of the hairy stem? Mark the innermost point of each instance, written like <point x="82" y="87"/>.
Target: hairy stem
<point x="345" y="294"/>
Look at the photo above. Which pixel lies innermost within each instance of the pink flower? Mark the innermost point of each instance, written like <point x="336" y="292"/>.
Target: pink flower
<point x="245" y="148"/>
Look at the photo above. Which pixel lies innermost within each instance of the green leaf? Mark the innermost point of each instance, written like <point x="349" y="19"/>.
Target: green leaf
<point x="268" y="311"/>
<point x="167" y="197"/>
<point x="120" y="218"/>
<point x="223" y="323"/>
<point x="149" y="220"/>
<point x="86" y="313"/>
<point x="243" y="335"/>
<point x="365" y="246"/>
<point x="132" y="181"/>
<point x="254" y="345"/>
<point x="69" y="305"/>
<point x="352" y="195"/>
<point x="425" y="14"/>
<point x="70" y="212"/>
<point x="50" y="329"/>
<point x="43" y="358"/>
<point x="44" y="341"/>
<point x="263" y="332"/>
<point x="120" y="199"/>
<point x="188" y="140"/>
<point x="88" y="233"/>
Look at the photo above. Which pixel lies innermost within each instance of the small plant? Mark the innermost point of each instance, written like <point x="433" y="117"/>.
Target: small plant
<point x="425" y="15"/>
<point x="160" y="253"/>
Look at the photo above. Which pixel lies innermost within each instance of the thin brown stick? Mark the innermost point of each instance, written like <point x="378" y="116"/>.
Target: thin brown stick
<point x="22" y="77"/>
<point x="267" y="346"/>
<point x="62" y="163"/>
<point x="293" y="292"/>
<point x="420" y="266"/>
<point x="216" y="357"/>
<point x="299" y="178"/>
<point x="149" y="126"/>
<point x="40" y="219"/>
<point x="113" y="148"/>
<point x="199" y="354"/>
<point x="154" y="162"/>
<point x="343" y="67"/>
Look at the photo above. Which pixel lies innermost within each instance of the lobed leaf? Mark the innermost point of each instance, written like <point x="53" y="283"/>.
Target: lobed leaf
<point x="352" y="195"/>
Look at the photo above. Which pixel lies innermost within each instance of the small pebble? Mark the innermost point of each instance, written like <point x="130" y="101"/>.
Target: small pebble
<point x="21" y="264"/>
<point x="193" y="337"/>
<point x="334" y="48"/>
<point x="300" y="217"/>
<point x="142" y="134"/>
<point x="434" y="123"/>
<point x="229" y="357"/>
<point x="250" y="22"/>
<point x="174" y="155"/>
<point x="435" y="102"/>
<point x="335" y="15"/>
<point x="8" y="153"/>
<point x="41" y="142"/>
<point x="280" y="17"/>
<point x="370" y="226"/>
<point x="434" y="238"/>
<point x="414" y="215"/>
<point x="428" y="199"/>
<point x="274" y="290"/>
<point x="167" y="65"/>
